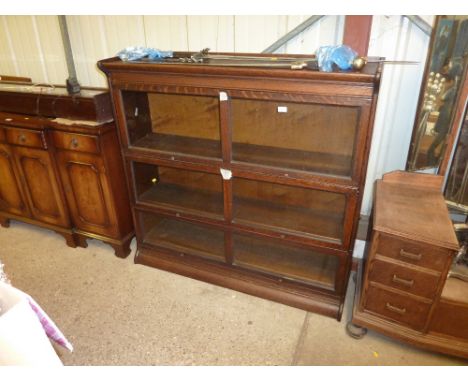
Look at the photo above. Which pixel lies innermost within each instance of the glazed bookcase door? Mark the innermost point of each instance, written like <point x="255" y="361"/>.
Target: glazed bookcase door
<point x="316" y="138"/>
<point x="173" y="123"/>
<point x="293" y="210"/>
<point x="186" y="191"/>
<point x="285" y="261"/>
<point x="180" y="237"/>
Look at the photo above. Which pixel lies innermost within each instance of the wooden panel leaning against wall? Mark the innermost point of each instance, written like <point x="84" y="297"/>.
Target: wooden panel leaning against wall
<point x="60" y="165"/>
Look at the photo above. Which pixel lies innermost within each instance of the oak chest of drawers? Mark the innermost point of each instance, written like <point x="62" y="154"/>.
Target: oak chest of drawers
<point x="400" y="287"/>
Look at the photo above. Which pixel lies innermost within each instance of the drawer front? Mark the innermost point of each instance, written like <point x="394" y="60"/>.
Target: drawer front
<point x="27" y="138"/>
<point x="401" y="309"/>
<point x="2" y="135"/>
<point x="411" y="252"/>
<point x="76" y="142"/>
<point x="403" y="278"/>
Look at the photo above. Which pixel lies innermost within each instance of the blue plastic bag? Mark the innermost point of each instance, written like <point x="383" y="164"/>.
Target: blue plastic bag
<point x="340" y="55"/>
<point x="134" y="53"/>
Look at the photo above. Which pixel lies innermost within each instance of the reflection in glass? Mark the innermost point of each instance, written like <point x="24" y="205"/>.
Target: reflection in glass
<point x="294" y="135"/>
<point x="445" y="70"/>
<point x="456" y="191"/>
<point x="173" y="123"/>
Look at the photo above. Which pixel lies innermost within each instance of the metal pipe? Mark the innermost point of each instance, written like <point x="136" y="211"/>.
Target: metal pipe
<point x="420" y="23"/>
<point x="293" y="33"/>
<point x="72" y="82"/>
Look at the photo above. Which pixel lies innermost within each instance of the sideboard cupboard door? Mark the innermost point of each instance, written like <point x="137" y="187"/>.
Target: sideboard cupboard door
<point x="41" y="186"/>
<point x="87" y="192"/>
<point x="11" y="193"/>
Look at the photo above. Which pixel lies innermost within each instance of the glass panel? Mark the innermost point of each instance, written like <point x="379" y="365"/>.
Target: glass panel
<point x="285" y="261"/>
<point x="193" y="191"/>
<point x="318" y="138"/>
<point x="181" y="236"/>
<point x="297" y="209"/>
<point x="173" y="123"/>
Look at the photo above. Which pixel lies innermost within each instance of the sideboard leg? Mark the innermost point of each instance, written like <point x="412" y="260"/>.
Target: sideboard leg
<point x="70" y="239"/>
<point x="4" y="222"/>
<point x="122" y="250"/>
<point x="355" y="331"/>
<point x="81" y="241"/>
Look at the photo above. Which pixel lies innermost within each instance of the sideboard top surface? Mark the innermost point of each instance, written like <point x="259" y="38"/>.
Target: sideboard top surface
<point x="90" y="104"/>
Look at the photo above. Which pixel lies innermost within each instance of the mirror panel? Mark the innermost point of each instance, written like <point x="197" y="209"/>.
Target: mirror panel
<point x="443" y="77"/>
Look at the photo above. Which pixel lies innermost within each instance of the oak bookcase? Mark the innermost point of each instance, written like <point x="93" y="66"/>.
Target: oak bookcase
<point x="249" y="178"/>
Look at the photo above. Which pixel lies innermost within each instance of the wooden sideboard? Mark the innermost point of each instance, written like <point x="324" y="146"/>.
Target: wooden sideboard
<point x="402" y="288"/>
<point x="250" y="178"/>
<point x="61" y="167"/>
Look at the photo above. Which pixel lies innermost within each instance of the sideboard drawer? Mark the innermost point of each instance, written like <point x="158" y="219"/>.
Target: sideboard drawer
<point x="412" y="252"/>
<point x="2" y="135"/>
<point x="403" y="278"/>
<point x="402" y="309"/>
<point x="76" y="142"/>
<point x="25" y="137"/>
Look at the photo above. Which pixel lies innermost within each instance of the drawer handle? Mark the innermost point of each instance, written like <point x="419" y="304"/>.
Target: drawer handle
<point x="22" y="138"/>
<point x="410" y="255"/>
<point x="392" y="308"/>
<point x="74" y="143"/>
<point x="404" y="282"/>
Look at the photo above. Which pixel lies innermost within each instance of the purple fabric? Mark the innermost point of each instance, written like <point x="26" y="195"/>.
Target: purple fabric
<point x="52" y="331"/>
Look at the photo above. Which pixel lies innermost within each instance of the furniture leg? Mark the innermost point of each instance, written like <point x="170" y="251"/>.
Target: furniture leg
<point x="122" y="250"/>
<point x="355" y="331"/>
<point x="4" y="222"/>
<point x="81" y="241"/>
<point x="70" y="239"/>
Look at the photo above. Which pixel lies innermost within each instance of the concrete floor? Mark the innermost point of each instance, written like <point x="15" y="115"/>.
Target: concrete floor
<point x="118" y="313"/>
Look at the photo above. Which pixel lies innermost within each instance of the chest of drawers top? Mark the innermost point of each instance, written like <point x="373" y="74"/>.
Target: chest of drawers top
<point x="414" y="211"/>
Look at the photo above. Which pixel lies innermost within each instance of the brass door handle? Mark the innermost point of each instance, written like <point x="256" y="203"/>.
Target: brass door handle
<point x="392" y="308"/>
<point x="74" y="143"/>
<point x="409" y="255"/>
<point x="22" y="138"/>
<point x="398" y="280"/>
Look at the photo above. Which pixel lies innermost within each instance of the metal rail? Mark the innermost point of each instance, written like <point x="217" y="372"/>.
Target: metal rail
<point x="293" y="33"/>
<point x="72" y="82"/>
<point x="420" y="23"/>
